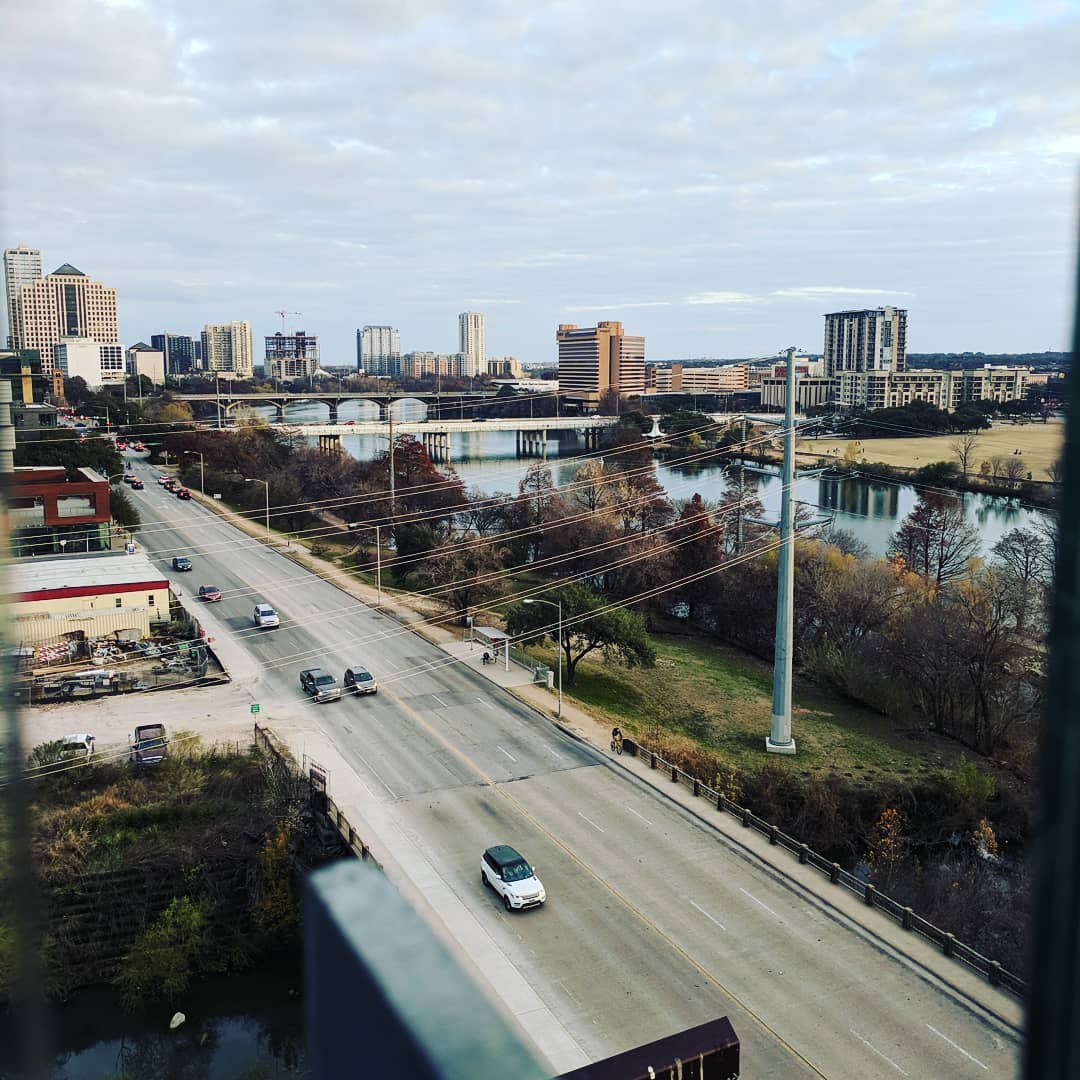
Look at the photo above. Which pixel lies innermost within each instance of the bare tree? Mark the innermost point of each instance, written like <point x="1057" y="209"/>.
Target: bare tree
<point x="1024" y="560"/>
<point x="1056" y="471"/>
<point x="1015" y="470"/>
<point x="964" y="446"/>
<point x="935" y="539"/>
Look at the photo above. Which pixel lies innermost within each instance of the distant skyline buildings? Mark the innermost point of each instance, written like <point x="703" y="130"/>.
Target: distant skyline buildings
<point x="228" y="348"/>
<point x="291" y="356"/>
<point x="22" y="267"/>
<point x="595" y="359"/>
<point x="378" y="350"/>
<point x="181" y="352"/>
<point x="472" y="342"/>
<point x="871" y="339"/>
<point x="65" y="304"/>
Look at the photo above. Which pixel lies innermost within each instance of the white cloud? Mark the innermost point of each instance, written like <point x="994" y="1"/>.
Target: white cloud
<point x="419" y="158"/>
<point x="721" y="298"/>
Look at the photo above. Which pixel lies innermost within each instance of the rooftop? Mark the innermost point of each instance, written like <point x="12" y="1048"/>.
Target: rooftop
<point x="68" y="271"/>
<point x="57" y="573"/>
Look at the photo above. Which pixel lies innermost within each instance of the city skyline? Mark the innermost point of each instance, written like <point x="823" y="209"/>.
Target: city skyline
<point x="875" y="156"/>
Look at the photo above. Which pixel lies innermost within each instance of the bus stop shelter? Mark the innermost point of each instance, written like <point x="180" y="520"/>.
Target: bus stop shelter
<point x="491" y="637"/>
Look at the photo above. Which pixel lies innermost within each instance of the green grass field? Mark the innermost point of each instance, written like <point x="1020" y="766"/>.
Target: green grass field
<point x="721" y="699"/>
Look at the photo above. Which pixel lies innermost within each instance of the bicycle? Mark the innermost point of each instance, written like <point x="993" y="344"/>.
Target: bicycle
<point x="616" y="741"/>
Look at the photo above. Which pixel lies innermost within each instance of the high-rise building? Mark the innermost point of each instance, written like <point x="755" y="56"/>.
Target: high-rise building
<point x="593" y="359"/>
<point x="144" y="361"/>
<point x="378" y="350"/>
<point x="471" y="342"/>
<point x="228" y="347"/>
<point x="22" y="267"/>
<point x="66" y="304"/>
<point x="871" y="340"/>
<point x="179" y="351"/>
<point x="292" y="356"/>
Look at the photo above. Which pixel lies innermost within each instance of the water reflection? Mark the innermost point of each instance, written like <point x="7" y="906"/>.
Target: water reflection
<point x="871" y="509"/>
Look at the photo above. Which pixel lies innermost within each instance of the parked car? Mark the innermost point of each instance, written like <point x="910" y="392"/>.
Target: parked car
<point x="149" y="745"/>
<point x="79" y="747"/>
<point x="209" y="593"/>
<point x="359" y="680"/>
<point x="321" y="685"/>
<point x="265" y="616"/>
<point x="183" y="493"/>
<point x="181" y="562"/>
<point x="137" y="484"/>
<point x="509" y="874"/>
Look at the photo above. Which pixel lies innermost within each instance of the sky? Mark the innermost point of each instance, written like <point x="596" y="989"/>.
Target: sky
<point x="714" y="175"/>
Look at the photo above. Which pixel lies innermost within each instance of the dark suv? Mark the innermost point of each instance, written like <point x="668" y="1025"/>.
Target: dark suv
<point x="321" y="685"/>
<point x="149" y="745"/>
<point x="181" y="562"/>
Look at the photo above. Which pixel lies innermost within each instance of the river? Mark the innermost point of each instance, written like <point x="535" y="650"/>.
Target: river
<point x="239" y="1027"/>
<point x="871" y="509"/>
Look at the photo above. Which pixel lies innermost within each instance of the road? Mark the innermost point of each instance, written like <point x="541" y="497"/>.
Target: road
<point x="654" y="921"/>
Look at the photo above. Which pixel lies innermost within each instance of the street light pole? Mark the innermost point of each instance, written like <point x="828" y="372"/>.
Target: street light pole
<point x="265" y="484"/>
<point x="557" y="604"/>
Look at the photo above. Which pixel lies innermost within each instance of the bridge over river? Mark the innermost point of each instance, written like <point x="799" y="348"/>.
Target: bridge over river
<point x="532" y="432"/>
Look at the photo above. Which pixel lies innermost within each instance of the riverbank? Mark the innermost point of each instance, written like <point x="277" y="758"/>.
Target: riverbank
<point x="202" y="845"/>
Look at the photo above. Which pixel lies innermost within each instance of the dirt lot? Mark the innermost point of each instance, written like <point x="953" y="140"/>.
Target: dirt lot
<point x="1039" y="444"/>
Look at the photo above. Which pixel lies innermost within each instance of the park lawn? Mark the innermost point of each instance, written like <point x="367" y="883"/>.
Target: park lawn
<point x="722" y="699"/>
<point x="1040" y="445"/>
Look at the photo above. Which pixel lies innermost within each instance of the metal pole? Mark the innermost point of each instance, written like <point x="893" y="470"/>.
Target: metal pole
<point x="390" y="417"/>
<point x="378" y="564"/>
<point x="742" y="486"/>
<point x="267" y="484"/>
<point x="780" y="740"/>
<point x="558" y="710"/>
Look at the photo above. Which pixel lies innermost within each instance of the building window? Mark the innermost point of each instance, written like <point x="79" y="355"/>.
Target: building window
<point x="119" y="601"/>
<point x="150" y="600"/>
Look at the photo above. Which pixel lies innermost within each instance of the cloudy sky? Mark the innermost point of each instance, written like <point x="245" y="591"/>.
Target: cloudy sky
<point x="714" y="174"/>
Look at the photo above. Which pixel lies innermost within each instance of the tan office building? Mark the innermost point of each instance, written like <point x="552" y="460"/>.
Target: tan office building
<point x="594" y="359"/>
<point x="65" y="304"/>
<point x="678" y="378"/>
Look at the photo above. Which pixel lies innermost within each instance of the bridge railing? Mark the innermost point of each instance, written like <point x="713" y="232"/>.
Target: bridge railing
<point x="866" y="891"/>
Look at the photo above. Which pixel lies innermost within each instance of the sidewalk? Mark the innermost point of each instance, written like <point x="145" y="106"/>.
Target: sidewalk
<point x="872" y="924"/>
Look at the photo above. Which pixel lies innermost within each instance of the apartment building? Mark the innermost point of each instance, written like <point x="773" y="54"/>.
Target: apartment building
<point x="505" y="367"/>
<point x="229" y="348"/>
<point x="378" y="350"/>
<point x="65" y="304"/>
<point x="942" y="389"/>
<point x="594" y="359"/>
<point x="874" y="339"/>
<point x="22" y="267"/>
<point x="420" y="365"/>
<point x="472" y="343"/>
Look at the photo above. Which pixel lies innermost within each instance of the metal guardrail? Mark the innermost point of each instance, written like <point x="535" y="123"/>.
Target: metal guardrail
<point x="868" y="893"/>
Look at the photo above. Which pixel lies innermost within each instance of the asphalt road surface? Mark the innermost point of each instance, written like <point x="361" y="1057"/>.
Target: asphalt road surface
<point x="654" y="922"/>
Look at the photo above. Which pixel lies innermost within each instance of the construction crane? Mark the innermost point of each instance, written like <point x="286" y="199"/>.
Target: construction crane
<point x="284" y="315"/>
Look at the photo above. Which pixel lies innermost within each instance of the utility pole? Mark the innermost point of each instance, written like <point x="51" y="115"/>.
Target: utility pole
<point x="390" y="418"/>
<point x="742" y="487"/>
<point x="780" y="740"/>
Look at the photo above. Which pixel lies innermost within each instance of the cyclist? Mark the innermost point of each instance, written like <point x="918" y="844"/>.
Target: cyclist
<point x="616" y="740"/>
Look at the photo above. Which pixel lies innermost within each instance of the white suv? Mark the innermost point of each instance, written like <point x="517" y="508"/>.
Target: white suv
<point x="507" y="872"/>
<point x="265" y="616"/>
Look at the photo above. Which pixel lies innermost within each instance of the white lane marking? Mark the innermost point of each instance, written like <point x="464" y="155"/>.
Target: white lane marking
<point x="440" y="701"/>
<point x="869" y="1046"/>
<point x="758" y="902"/>
<point x="506" y="752"/>
<point x="486" y="704"/>
<point x="393" y="794"/>
<point x="592" y="823"/>
<point x="637" y="815"/>
<point x="387" y="663"/>
<point x="555" y="754"/>
<point x="960" y="1048"/>
<point x="569" y="993"/>
<point x="707" y="915"/>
